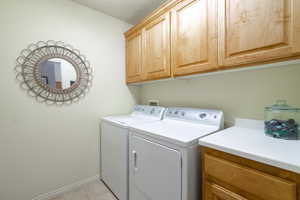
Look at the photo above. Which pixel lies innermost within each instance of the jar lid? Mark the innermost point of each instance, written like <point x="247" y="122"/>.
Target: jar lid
<point x="281" y="105"/>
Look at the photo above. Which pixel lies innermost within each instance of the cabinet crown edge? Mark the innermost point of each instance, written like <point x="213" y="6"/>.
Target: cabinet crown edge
<point x="165" y="7"/>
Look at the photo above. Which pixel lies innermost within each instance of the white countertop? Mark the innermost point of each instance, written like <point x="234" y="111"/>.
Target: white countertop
<point x="247" y="139"/>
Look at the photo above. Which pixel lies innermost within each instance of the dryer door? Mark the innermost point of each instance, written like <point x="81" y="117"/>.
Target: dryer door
<point x="155" y="171"/>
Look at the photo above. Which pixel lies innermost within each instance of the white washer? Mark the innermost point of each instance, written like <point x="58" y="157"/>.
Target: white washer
<point x="114" y="146"/>
<point x="164" y="156"/>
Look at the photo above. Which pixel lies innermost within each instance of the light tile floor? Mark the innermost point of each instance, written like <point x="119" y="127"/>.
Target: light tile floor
<point x="95" y="190"/>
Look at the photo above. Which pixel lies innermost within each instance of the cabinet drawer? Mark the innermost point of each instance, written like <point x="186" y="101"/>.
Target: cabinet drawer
<point x="262" y="185"/>
<point x="216" y="192"/>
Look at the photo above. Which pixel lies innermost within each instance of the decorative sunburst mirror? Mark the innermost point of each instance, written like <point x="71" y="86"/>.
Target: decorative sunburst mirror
<point x="53" y="72"/>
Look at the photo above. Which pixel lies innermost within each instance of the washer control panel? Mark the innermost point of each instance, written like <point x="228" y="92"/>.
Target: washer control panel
<point x="204" y="116"/>
<point x="155" y="111"/>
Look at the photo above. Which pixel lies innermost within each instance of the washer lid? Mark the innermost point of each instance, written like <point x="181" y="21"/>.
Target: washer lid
<point x="177" y="132"/>
<point x="140" y="114"/>
<point x="128" y="120"/>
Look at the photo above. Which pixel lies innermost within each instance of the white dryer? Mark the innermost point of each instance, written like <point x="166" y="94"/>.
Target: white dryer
<point x="164" y="156"/>
<point x="114" y="146"/>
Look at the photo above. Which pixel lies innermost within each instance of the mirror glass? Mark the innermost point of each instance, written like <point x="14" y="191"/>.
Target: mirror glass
<point x="57" y="73"/>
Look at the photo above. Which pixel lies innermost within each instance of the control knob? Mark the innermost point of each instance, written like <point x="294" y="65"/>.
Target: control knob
<point x="202" y="115"/>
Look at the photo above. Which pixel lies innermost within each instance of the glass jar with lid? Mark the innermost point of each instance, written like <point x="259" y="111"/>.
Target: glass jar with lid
<point x="282" y="121"/>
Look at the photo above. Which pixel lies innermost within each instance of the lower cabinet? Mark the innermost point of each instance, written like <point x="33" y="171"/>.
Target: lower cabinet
<point x="228" y="177"/>
<point x="216" y="192"/>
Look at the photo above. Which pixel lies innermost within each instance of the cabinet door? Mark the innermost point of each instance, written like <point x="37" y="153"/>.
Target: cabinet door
<point x="252" y="31"/>
<point x="134" y="58"/>
<point x="216" y="192"/>
<point x="157" y="48"/>
<point x="194" y="37"/>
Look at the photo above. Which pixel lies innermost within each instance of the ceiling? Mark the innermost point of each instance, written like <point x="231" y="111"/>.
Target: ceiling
<point x="130" y="11"/>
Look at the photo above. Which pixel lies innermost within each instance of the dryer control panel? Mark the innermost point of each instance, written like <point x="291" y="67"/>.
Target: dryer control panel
<point x="202" y="116"/>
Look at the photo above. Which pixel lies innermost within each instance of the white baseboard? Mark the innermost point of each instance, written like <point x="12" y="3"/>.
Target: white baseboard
<point x="65" y="189"/>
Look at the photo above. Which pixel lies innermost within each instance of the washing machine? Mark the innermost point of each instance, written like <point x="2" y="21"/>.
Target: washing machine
<point x="114" y="146"/>
<point x="164" y="158"/>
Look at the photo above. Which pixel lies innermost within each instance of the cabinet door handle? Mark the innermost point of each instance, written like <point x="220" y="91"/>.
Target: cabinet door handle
<point x="134" y="160"/>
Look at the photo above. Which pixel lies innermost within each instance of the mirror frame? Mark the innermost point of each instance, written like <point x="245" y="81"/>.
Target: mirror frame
<point x="28" y="72"/>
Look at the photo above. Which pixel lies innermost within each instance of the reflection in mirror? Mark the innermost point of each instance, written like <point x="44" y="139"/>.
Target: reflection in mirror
<point x="57" y="73"/>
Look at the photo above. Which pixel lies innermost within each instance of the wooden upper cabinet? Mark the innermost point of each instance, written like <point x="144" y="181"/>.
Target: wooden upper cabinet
<point x="194" y="37"/>
<point x="134" y="58"/>
<point x="185" y="37"/>
<point x="252" y="31"/>
<point x="156" y="50"/>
